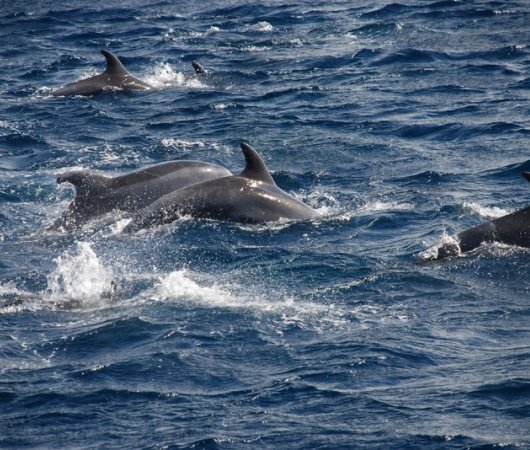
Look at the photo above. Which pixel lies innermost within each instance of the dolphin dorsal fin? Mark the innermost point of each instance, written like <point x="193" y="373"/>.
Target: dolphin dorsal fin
<point x="86" y="184"/>
<point x="255" y="167"/>
<point x="114" y="65"/>
<point x="526" y="175"/>
<point x="198" y="67"/>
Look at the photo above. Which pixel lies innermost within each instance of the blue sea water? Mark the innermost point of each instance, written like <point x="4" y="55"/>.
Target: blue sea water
<point x="401" y="122"/>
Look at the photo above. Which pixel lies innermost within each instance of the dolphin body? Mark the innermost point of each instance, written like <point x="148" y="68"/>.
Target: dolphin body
<point x="250" y="197"/>
<point x="99" y="194"/>
<point x="512" y="229"/>
<point x="115" y="77"/>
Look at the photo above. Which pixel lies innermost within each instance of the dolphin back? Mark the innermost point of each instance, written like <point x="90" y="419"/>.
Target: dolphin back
<point x="115" y="76"/>
<point x="86" y="184"/>
<point x="511" y="229"/>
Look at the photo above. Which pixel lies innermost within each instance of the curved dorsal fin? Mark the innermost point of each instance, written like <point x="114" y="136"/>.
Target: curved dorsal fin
<point x="86" y="183"/>
<point x="526" y="175"/>
<point x="114" y="65"/>
<point x="255" y="167"/>
<point x="198" y="67"/>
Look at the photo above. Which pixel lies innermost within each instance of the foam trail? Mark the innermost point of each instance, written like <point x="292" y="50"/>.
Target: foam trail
<point x="180" y="286"/>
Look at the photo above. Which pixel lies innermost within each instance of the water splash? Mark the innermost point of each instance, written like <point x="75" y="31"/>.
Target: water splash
<point x="14" y="299"/>
<point x="165" y="76"/>
<point x="379" y="205"/>
<point x="180" y="285"/>
<point x="185" y="286"/>
<point x="484" y="211"/>
<point x="182" y="144"/>
<point x="261" y="27"/>
<point x="448" y="245"/>
<point x="80" y="279"/>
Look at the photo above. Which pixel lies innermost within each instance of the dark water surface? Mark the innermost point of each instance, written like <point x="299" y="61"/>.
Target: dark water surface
<point x="401" y="123"/>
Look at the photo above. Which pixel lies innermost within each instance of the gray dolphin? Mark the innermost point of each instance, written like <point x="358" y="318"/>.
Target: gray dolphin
<point x="115" y="76"/>
<point x="512" y="229"/>
<point x="250" y="197"/>
<point x="199" y="68"/>
<point x="99" y="194"/>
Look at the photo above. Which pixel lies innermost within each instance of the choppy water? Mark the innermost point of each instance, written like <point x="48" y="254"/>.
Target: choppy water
<point x="401" y="122"/>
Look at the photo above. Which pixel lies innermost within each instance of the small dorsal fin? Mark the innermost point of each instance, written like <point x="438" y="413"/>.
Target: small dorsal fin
<point x="199" y="68"/>
<point x="86" y="183"/>
<point x="526" y="175"/>
<point x="255" y="167"/>
<point x="114" y="65"/>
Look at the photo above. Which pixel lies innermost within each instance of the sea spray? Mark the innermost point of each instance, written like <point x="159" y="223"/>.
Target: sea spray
<point x="284" y="310"/>
<point x="80" y="278"/>
<point x="165" y="76"/>
<point x="488" y="212"/>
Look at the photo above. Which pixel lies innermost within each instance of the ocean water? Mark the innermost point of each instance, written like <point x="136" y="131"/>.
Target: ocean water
<point x="401" y="122"/>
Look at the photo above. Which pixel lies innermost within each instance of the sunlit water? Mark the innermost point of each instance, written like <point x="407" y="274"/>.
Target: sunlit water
<point x="401" y="123"/>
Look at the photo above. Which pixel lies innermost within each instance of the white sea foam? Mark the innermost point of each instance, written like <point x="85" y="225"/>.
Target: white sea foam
<point x="379" y="205"/>
<point x="157" y="16"/>
<point x="184" y="286"/>
<point x="254" y="48"/>
<point x="261" y="27"/>
<point x="179" y="285"/>
<point x="432" y="252"/>
<point x="164" y="76"/>
<point x="17" y="299"/>
<point x="179" y="143"/>
<point x="327" y="205"/>
<point x="80" y="278"/>
<point x="222" y="106"/>
<point x="118" y="226"/>
<point x="324" y="202"/>
<point x="484" y="211"/>
<point x="8" y="125"/>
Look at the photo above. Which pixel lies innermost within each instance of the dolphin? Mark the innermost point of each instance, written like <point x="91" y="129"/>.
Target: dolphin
<point x="115" y="76"/>
<point x="511" y="229"/>
<point x="199" y="68"/>
<point x="98" y="194"/>
<point x="250" y="197"/>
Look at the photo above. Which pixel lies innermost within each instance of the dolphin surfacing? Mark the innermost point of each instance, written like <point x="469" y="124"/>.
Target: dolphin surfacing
<point x="250" y="197"/>
<point x="511" y="229"/>
<point x="115" y="77"/>
<point x="199" y="68"/>
<point x="99" y="194"/>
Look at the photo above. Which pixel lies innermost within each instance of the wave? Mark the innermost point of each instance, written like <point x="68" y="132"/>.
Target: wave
<point x="492" y="212"/>
<point x="474" y="60"/>
<point x="377" y="29"/>
<point x="507" y="172"/>
<point x="451" y="131"/>
<point x="446" y="9"/>
<point x="510" y="389"/>
<point x="428" y="176"/>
